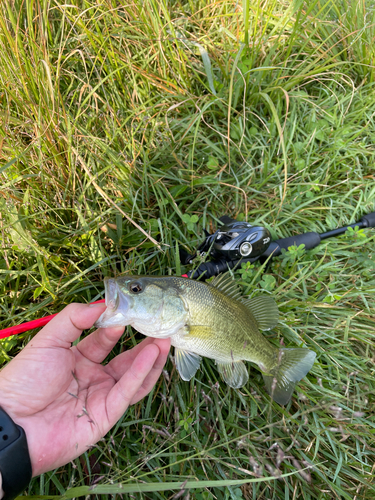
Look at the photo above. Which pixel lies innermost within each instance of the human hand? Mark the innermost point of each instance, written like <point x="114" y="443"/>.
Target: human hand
<point x="62" y="395"/>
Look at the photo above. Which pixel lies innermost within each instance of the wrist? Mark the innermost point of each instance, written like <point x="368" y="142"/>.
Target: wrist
<point x="15" y="465"/>
<point x="26" y="425"/>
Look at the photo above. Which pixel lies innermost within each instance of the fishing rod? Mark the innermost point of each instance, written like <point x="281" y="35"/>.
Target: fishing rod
<point x="238" y="242"/>
<point x="234" y="243"/>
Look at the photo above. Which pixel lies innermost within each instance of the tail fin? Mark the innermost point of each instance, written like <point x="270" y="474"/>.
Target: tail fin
<point x="293" y="365"/>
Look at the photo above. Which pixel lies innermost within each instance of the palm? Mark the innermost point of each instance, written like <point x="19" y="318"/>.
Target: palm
<point x="65" y="399"/>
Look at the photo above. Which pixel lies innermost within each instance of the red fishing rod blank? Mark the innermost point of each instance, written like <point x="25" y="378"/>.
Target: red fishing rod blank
<point x="30" y="325"/>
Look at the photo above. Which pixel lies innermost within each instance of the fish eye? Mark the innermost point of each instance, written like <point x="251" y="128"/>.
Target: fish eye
<point x="135" y="287"/>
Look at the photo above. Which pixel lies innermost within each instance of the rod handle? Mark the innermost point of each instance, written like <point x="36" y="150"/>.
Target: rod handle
<point x="310" y="240"/>
<point x="368" y="220"/>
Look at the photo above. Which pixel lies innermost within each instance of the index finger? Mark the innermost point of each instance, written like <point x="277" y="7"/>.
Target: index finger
<point x="67" y="326"/>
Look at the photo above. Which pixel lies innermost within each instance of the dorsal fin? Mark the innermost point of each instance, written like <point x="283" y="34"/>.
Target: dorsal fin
<point x="226" y="284"/>
<point x="264" y="309"/>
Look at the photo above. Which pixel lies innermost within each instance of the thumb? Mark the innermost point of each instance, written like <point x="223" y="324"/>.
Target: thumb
<point x="67" y="326"/>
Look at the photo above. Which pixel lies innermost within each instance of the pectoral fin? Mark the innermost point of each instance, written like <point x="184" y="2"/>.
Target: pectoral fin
<point x="233" y="373"/>
<point x="187" y="363"/>
<point x="200" y="332"/>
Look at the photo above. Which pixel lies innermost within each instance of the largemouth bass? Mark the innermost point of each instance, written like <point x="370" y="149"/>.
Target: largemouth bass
<point x="211" y="320"/>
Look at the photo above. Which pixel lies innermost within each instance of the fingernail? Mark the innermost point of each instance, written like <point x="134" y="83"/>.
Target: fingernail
<point x="100" y="304"/>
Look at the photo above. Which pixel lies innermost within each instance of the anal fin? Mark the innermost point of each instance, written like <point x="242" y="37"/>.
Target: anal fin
<point x="234" y="373"/>
<point x="187" y="363"/>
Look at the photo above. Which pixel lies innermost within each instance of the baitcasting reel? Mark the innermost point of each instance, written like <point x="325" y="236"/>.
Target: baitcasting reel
<point x="235" y="240"/>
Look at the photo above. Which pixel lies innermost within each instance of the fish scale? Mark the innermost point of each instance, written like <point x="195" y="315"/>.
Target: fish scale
<point x="209" y="320"/>
<point x="230" y="320"/>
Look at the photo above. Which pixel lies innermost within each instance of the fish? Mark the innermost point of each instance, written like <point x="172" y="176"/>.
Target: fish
<point x="212" y="320"/>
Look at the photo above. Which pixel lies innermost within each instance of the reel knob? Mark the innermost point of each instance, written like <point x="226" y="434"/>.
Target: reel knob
<point x="246" y="249"/>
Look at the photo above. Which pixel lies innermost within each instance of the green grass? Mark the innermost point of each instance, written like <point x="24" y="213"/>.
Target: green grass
<point x="117" y="119"/>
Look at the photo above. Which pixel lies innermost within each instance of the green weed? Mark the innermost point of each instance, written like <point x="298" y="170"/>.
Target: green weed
<point x="128" y="128"/>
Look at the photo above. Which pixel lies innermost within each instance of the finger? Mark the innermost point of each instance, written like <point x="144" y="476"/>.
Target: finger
<point x="99" y="344"/>
<point x="155" y="372"/>
<point x="123" y="392"/>
<point x="67" y="326"/>
<point x="121" y="363"/>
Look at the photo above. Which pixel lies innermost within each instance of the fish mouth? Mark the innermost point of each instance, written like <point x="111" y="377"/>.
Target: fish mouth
<point x="111" y="293"/>
<point x="118" y="306"/>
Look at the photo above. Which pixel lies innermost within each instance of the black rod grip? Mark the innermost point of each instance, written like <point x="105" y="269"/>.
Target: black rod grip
<point x="368" y="220"/>
<point x="310" y="240"/>
<point x="212" y="268"/>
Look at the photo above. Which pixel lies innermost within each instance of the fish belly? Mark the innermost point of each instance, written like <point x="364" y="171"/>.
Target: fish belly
<point x="226" y="346"/>
<point x="207" y="348"/>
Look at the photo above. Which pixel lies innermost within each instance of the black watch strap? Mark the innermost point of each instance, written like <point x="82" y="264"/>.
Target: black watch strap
<point x="15" y="465"/>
